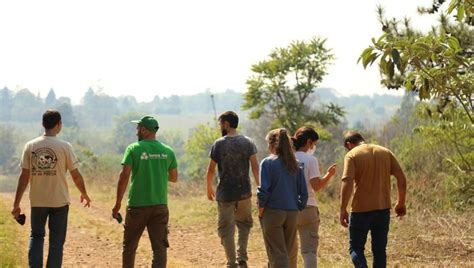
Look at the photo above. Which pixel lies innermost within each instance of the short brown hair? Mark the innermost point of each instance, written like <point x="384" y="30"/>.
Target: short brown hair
<point x="230" y="117"/>
<point x="51" y="118"/>
<point x="353" y="137"/>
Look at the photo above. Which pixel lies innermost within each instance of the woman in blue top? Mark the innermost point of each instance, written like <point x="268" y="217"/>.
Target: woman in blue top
<point x="281" y="194"/>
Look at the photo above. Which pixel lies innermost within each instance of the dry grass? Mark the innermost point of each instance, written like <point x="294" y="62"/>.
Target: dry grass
<point x="422" y="239"/>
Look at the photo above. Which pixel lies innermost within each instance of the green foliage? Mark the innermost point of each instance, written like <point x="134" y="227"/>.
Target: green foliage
<point x="197" y="149"/>
<point x="8" y="156"/>
<point x="438" y="64"/>
<point x="282" y="84"/>
<point x="437" y="150"/>
<point x="124" y="131"/>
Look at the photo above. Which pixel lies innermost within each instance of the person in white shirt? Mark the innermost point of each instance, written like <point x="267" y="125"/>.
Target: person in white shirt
<point x="305" y="140"/>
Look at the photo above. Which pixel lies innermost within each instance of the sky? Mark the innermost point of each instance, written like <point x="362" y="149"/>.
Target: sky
<point x="148" y="48"/>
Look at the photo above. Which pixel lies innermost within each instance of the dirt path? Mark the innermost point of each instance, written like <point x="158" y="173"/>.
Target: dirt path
<point x="94" y="240"/>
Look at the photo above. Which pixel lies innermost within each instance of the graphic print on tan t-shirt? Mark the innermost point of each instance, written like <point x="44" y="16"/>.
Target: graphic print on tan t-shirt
<point x="48" y="159"/>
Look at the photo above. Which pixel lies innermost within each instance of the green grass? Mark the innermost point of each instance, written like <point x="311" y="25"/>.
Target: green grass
<point x="12" y="245"/>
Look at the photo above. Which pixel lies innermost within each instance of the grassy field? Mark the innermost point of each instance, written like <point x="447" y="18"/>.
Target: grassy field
<point x="424" y="238"/>
<point x="10" y="240"/>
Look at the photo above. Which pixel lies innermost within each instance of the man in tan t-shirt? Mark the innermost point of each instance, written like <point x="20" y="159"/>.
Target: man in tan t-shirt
<point x="369" y="167"/>
<point x="44" y="164"/>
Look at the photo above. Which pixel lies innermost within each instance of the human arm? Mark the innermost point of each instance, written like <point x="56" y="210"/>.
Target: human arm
<point x="263" y="190"/>
<point x="23" y="181"/>
<point x="173" y="175"/>
<point x="121" y="188"/>
<point x="317" y="183"/>
<point x="255" y="168"/>
<point x="347" y="187"/>
<point x="79" y="182"/>
<point x="302" y="190"/>
<point x="211" y="171"/>
<point x="400" y="207"/>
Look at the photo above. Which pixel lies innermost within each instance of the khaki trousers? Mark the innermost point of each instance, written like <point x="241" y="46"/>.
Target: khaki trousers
<point x="308" y="227"/>
<point x="279" y="234"/>
<point x="229" y="215"/>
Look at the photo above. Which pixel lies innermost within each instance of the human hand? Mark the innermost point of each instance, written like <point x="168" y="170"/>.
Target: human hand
<point x="210" y="193"/>
<point x="16" y="212"/>
<point x="400" y="209"/>
<point x="344" y="218"/>
<point x="85" y="197"/>
<point x="115" y="210"/>
<point x="332" y="170"/>
<point x="260" y="212"/>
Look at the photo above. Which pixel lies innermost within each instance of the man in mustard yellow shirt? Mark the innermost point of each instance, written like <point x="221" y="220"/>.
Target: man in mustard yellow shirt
<point x="367" y="171"/>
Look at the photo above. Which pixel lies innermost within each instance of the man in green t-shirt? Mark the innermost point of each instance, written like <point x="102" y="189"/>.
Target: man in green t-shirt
<point x="152" y="164"/>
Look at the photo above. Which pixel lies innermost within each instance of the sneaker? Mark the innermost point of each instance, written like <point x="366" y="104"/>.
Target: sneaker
<point x="243" y="264"/>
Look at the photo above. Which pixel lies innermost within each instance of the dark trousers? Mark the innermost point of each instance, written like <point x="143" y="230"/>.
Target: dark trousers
<point x="57" y="224"/>
<point x="155" y="219"/>
<point x="360" y="223"/>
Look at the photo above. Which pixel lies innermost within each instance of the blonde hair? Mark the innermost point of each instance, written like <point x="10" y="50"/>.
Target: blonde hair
<point x="280" y="140"/>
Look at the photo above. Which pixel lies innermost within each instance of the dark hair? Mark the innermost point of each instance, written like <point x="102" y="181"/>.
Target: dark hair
<point x="302" y="135"/>
<point x="279" y="139"/>
<point x="352" y="137"/>
<point x="51" y="118"/>
<point x="230" y="117"/>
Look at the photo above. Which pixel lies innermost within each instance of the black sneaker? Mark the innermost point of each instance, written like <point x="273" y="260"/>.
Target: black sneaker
<point x="242" y="264"/>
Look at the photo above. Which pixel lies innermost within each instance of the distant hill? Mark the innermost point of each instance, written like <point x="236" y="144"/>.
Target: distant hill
<point x="99" y="110"/>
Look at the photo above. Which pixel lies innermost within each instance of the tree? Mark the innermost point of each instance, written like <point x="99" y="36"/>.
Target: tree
<point x="197" y="149"/>
<point x="98" y="109"/>
<point x="67" y="114"/>
<point x="26" y="107"/>
<point x="436" y="65"/>
<point x="124" y="130"/>
<point x="282" y="84"/>
<point x="50" y="100"/>
<point x="435" y="137"/>
<point x="6" y="102"/>
<point x="7" y="153"/>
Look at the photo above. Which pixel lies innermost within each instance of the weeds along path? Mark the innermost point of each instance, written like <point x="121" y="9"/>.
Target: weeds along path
<point x="94" y="240"/>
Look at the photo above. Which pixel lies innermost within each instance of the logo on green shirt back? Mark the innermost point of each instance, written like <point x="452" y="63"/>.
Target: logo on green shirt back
<point x="146" y="156"/>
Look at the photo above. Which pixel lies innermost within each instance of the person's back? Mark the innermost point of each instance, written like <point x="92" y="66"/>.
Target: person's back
<point x="48" y="159"/>
<point x="44" y="163"/>
<point x="373" y="166"/>
<point x="151" y="164"/>
<point x="285" y="186"/>
<point x="150" y="161"/>
<point x="368" y="169"/>
<point x="232" y="155"/>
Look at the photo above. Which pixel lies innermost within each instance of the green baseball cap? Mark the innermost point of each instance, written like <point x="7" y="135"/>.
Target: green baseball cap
<point x="149" y="122"/>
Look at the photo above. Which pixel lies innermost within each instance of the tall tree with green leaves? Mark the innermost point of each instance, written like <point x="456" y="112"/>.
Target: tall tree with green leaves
<point x="437" y="65"/>
<point x="282" y="84"/>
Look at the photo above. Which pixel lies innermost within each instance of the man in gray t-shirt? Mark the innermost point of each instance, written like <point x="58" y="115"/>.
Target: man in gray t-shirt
<point x="232" y="154"/>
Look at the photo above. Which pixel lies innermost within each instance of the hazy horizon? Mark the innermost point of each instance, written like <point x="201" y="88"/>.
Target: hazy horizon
<point x="181" y="47"/>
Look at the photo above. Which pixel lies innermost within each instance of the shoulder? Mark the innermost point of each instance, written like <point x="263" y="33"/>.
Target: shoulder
<point x="166" y="148"/>
<point x="219" y="141"/>
<point x="267" y="160"/>
<point x="246" y="138"/>
<point x="132" y="146"/>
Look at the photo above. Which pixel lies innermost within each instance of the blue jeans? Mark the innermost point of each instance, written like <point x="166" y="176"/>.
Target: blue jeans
<point x="360" y="223"/>
<point x="57" y="224"/>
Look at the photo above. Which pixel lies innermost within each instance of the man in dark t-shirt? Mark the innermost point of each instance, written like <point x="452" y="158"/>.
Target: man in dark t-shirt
<point x="233" y="154"/>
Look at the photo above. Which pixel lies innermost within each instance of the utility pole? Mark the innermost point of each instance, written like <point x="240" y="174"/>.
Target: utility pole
<point x="214" y="108"/>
